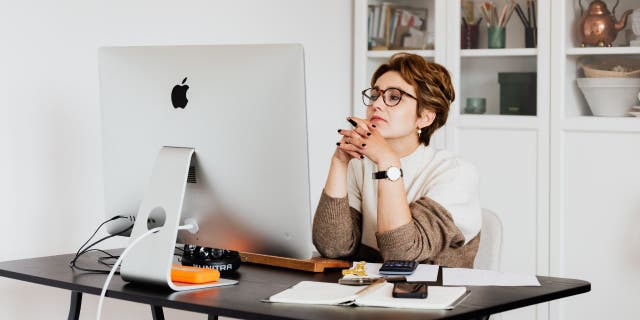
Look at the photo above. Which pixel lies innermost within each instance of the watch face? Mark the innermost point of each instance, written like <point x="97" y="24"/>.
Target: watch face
<point x="393" y="173"/>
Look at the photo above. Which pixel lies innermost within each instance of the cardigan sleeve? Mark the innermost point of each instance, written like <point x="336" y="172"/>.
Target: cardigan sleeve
<point x="431" y="231"/>
<point x="337" y="228"/>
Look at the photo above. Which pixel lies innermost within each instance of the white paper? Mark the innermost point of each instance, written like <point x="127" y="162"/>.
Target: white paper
<point x="424" y="272"/>
<point x="311" y="292"/>
<point x="477" y="277"/>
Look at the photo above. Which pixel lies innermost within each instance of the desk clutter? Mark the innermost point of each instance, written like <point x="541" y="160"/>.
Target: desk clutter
<point x="363" y="285"/>
<point x="375" y="295"/>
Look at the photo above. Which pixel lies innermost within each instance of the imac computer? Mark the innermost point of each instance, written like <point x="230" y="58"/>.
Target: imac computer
<point x="215" y="135"/>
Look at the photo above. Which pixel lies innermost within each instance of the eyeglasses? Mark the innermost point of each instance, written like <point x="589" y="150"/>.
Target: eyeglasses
<point x="391" y="96"/>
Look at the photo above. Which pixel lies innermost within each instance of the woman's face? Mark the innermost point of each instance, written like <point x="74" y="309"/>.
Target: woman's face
<point x="400" y="120"/>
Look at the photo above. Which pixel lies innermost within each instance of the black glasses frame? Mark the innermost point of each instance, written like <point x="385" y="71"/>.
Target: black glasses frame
<point x="366" y="97"/>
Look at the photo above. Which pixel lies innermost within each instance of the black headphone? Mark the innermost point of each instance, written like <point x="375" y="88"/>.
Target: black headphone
<point x="223" y="260"/>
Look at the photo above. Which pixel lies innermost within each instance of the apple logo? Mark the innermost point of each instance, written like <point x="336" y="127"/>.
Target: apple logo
<point x="179" y="95"/>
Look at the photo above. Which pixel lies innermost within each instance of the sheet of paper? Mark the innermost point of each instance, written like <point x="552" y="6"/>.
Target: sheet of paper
<point x="477" y="277"/>
<point x="424" y="272"/>
<point x="311" y="292"/>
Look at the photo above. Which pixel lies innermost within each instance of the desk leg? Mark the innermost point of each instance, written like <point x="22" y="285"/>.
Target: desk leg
<point x="213" y="317"/>
<point x="74" y="306"/>
<point x="157" y="313"/>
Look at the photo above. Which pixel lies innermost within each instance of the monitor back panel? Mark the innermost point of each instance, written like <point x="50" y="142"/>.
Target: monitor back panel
<point x="245" y="118"/>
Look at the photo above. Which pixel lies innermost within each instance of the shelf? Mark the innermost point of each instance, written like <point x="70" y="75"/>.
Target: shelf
<point x="389" y="53"/>
<point x="602" y="124"/>
<point x="497" y="121"/>
<point x="514" y="52"/>
<point x="602" y="51"/>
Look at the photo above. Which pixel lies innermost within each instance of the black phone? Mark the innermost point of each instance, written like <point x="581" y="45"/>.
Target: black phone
<point x="410" y="290"/>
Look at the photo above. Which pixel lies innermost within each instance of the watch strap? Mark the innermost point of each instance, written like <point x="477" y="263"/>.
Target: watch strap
<point x="380" y="175"/>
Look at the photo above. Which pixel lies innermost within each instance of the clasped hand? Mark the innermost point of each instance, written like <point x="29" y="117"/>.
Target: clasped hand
<point x="363" y="141"/>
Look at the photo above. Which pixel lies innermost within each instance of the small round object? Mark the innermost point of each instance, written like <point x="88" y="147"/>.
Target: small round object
<point x="394" y="173"/>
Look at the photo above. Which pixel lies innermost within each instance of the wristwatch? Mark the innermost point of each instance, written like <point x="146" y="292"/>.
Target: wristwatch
<point x="392" y="173"/>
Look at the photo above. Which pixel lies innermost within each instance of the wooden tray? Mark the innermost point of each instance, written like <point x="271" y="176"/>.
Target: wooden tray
<point x="315" y="264"/>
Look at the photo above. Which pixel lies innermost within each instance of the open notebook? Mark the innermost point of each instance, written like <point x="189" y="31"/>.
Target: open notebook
<point x="375" y="295"/>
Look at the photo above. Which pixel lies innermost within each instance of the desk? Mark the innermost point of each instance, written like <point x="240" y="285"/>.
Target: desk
<point x="258" y="282"/>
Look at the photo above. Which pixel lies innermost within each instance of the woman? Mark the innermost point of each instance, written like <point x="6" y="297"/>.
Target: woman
<point x="400" y="198"/>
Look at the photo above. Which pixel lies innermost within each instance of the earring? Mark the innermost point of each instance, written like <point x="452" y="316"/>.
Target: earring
<point x="419" y="132"/>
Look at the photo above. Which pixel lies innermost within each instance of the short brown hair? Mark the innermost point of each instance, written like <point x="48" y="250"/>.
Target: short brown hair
<point x="432" y="83"/>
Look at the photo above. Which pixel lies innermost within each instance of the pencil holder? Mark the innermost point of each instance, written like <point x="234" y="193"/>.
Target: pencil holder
<point x="530" y="37"/>
<point x="469" y="36"/>
<point x="496" y="37"/>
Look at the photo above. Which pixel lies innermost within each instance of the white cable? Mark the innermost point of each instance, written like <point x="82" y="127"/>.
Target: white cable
<point x="124" y="253"/>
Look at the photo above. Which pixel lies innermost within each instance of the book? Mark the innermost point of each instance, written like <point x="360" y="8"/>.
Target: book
<point x="375" y="295"/>
<point x="391" y="26"/>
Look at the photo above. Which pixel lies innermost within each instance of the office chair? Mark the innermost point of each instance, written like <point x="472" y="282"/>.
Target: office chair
<point x="489" y="250"/>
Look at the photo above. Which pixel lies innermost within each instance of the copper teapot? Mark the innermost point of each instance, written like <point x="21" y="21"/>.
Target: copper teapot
<point x="598" y="27"/>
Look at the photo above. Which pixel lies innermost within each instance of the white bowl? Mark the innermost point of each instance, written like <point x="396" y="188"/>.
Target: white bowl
<point x="610" y="97"/>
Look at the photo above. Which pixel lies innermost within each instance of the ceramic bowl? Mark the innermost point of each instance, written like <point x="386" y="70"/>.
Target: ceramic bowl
<point x="610" y="97"/>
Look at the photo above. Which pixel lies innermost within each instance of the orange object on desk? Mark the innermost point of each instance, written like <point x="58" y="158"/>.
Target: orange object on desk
<point x="193" y="274"/>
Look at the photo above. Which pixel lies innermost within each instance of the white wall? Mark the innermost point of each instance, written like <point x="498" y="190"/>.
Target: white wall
<point x="51" y="185"/>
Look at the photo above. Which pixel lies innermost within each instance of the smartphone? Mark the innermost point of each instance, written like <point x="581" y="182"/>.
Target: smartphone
<point x="409" y="290"/>
<point x="357" y="281"/>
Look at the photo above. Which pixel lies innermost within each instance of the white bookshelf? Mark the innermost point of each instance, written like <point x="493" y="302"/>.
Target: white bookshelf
<point x="553" y="178"/>
<point x="590" y="170"/>
<point x="483" y="138"/>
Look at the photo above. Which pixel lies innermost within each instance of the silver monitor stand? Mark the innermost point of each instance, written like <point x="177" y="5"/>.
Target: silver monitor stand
<point x="151" y="259"/>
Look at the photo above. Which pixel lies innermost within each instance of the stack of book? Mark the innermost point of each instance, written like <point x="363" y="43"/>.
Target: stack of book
<point x="393" y="27"/>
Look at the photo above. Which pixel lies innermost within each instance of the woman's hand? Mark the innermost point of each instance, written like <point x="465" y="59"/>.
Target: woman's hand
<point x="346" y="151"/>
<point x="365" y="140"/>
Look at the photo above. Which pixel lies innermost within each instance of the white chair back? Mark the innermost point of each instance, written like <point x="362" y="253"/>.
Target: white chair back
<point x="488" y="256"/>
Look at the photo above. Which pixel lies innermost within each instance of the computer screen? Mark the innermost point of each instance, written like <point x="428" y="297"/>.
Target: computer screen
<point x="242" y="109"/>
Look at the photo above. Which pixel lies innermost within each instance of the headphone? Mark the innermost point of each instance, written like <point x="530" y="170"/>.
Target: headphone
<point x="225" y="261"/>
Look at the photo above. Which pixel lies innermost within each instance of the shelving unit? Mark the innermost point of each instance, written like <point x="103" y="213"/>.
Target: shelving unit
<point x="480" y="138"/>
<point x="553" y="178"/>
<point x="592" y="160"/>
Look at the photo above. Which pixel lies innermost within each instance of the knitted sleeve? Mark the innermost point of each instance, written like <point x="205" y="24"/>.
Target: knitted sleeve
<point x="337" y="228"/>
<point x="431" y="231"/>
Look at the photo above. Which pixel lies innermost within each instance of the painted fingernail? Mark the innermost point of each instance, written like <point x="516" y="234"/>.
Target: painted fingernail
<point x="339" y="130"/>
<point x="364" y="144"/>
<point x="361" y="157"/>
<point x="353" y="123"/>
<point x="373" y="125"/>
<point x="337" y="143"/>
<point x="368" y="133"/>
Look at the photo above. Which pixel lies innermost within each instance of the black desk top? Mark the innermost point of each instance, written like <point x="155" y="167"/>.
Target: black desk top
<point x="259" y="282"/>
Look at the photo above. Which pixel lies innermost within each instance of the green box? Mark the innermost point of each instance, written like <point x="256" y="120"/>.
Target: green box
<point x="518" y="94"/>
